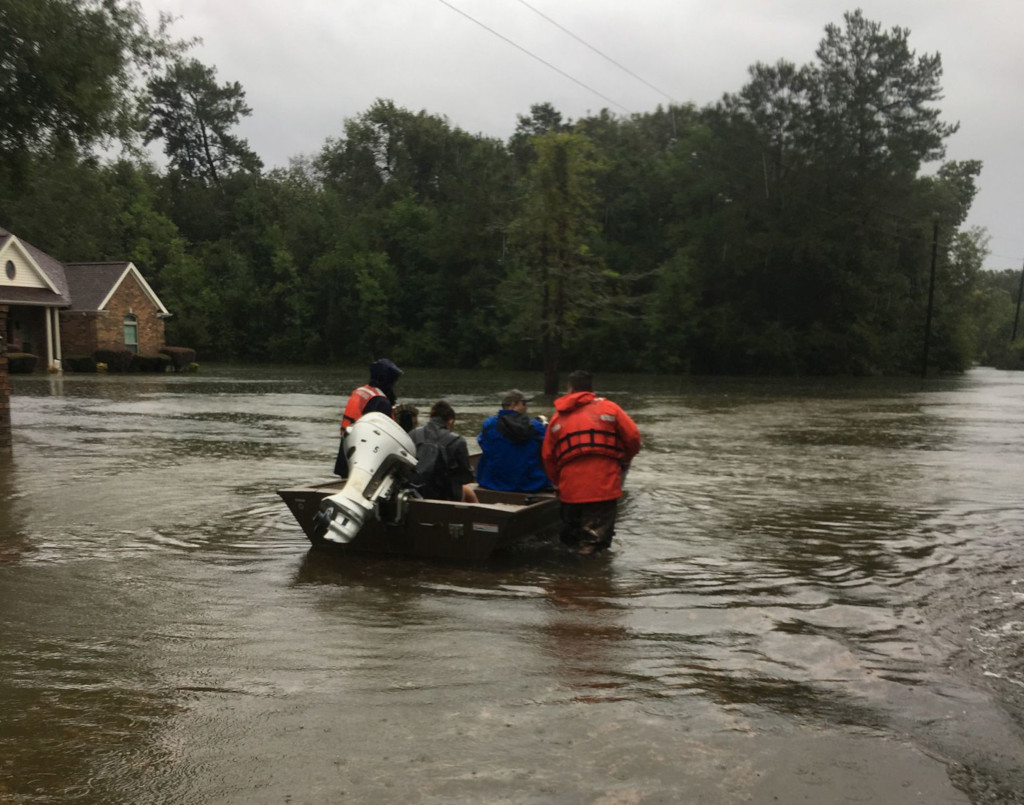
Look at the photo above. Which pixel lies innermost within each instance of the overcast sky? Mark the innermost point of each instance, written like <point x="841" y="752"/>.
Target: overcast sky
<point x="308" y="65"/>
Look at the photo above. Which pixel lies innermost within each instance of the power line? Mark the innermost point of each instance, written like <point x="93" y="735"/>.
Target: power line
<point x="535" y="56"/>
<point x="604" y="56"/>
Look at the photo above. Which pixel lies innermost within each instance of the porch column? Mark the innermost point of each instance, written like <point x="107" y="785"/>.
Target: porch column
<point x="5" y="388"/>
<point x="59" y="363"/>
<point x="48" y="318"/>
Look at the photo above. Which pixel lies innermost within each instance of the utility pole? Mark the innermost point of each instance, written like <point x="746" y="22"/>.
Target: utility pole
<point x="5" y="388"/>
<point x="1016" y="316"/>
<point x="931" y="300"/>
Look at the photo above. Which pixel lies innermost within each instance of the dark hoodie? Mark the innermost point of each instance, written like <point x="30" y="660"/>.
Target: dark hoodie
<point x="515" y="426"/>
<point x="384" y="374"/>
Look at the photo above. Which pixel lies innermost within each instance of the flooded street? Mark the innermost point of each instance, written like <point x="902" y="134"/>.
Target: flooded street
<point x="816" y="595"/>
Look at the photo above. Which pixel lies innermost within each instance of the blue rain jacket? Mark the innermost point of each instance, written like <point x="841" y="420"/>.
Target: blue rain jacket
<point x="511" y="460"/>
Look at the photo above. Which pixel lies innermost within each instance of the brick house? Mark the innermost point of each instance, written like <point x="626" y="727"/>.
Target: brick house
<point x="111" y="305"/>
<point x="57" y="309"/>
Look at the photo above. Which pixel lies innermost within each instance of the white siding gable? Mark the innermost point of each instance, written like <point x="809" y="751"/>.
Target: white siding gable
<point x="27" y="273"/>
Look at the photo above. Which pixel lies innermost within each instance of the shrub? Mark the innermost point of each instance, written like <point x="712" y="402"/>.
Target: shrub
<point x="180" y="357"/>
<point x="150" y="363"/>
<point x="1009" y="356"/>
<point x="21" y="363"/>
<point x="117" y="359"/>
<point x="80" y="363"/>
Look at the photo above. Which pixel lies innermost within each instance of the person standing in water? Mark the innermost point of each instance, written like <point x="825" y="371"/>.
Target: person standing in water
<point x="589" y="444"/>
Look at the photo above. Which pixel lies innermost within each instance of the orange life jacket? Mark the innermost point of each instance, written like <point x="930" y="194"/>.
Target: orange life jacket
<point x="588" y="431"/>
<point x="588" y="443"/>
<point x="357" y="403"/>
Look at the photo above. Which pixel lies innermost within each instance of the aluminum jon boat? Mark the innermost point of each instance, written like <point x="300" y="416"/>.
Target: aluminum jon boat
<point x="436" y="529"/>
<point x="378" y="508"/>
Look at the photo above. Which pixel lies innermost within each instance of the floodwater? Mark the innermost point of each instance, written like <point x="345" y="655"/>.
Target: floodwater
<point x="816" y="595"/>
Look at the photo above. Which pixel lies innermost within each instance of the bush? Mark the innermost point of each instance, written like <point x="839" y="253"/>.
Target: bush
<point x="150" y="363"/>
<point x="181" y="357"/>
<point x="1010" y="356"/>
<point x="21" y="363"/>
<point x="117" y="359"/>
<point x="80" y="363"/>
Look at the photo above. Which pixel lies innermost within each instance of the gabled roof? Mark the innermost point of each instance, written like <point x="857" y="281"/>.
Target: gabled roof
<point x="49" y="270"/>
<point x="93" y="284"/>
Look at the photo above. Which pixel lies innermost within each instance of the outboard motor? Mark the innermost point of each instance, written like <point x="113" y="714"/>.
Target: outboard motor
<point x="380" y="457"/>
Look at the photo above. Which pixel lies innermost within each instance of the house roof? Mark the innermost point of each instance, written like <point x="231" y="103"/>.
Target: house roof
<point x="80" y="286"/>
<point x="51" y="271"/>
<point x="92" y="284"/>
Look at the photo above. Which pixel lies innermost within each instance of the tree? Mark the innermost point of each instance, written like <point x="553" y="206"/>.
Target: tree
<point x="194" y="116"/>
<point x="870" y="101"/>
<point x="543" y="119"/>
<point x="429" y="204"/>
<point x="66" y="75"/>
<point x="559" y="281"/>
<point x="836" y="225"/>
<point x="996" y="308"/>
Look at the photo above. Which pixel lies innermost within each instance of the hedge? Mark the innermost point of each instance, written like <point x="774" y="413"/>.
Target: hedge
<point x="21" y="363"/>
<point x="180" y="357"/>
<point x="117" y="359"/>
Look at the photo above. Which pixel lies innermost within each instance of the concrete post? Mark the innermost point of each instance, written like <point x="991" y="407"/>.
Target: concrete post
<point x="5" y="387"/>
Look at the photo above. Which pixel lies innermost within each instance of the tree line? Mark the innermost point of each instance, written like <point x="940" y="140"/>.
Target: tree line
<point x="787" y="229"/>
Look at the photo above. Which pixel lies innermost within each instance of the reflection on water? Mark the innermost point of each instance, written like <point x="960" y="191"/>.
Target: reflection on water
<point x="825" y="562"/>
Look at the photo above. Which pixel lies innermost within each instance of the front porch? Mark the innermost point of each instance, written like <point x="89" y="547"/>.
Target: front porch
<point x="34" y="330"/>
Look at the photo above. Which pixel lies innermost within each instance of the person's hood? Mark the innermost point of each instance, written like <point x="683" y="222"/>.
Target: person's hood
<point x="384" y="374"/>
<point x="570" y="402"/>
<point x="435" y="429"/>
<point x="515" y="425"/>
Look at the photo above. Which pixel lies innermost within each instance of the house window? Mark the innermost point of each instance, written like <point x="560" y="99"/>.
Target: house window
<point x="10" y="269"/>
<point x="131" y="333"/>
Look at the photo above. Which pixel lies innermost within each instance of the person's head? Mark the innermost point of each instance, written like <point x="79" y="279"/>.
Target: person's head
<point x="515" y="399"/>
<point x="581" y="380"/>
<point x="407" y="415"/>
<point x="384" y="373"/>
<point x="443" y="410"/>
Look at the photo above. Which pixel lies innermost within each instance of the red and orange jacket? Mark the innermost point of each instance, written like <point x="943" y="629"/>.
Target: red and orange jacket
<point x="589" y="442"/>
<point x="357" y="403"/>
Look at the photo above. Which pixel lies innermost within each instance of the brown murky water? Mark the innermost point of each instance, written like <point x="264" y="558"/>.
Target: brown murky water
<point x="816" y="595"/>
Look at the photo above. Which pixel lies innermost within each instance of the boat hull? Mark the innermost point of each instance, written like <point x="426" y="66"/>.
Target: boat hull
<point x="438" y="529"/>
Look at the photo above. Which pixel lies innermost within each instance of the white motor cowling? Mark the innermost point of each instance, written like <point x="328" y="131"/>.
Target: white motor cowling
<point x="380" y="457"/>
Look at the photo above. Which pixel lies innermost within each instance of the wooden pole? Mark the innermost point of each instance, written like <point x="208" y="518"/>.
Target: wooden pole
<point x="931" y="300"/>
<point x="5" y="387"/>
<point x="1016" y="316"/>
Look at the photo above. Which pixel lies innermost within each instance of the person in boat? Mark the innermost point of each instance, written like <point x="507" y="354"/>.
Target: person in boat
<point x="510" y="442"/>
<point x="377" y="395"/>
<point x="587" y="449"/>
<point x="407" y="415"/>
<point x="443" y="457"/>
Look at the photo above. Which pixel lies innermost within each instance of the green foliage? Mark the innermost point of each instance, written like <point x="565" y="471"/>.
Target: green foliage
<point x="553" y="242"/>
<point x="179" y="357"/>
<point x="150" y="363"/>
<point x="194" y="115"/>
<point x="65" y="74"/>
<point x="114" y="358"/>
<point x="995" y="308"/>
